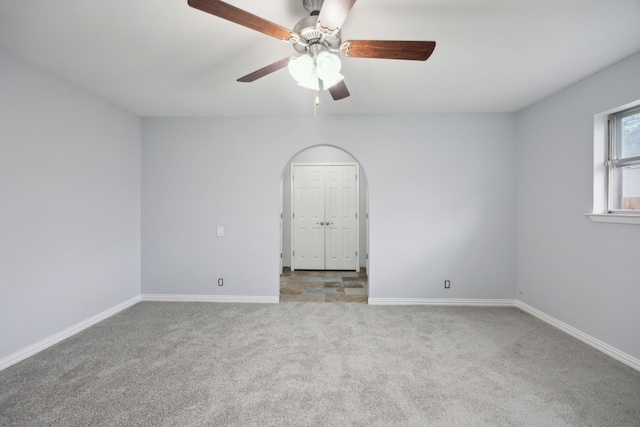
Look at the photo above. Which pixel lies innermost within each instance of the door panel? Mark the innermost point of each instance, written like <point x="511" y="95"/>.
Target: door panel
<point x="308" y="210"/>
<point x="341" y="210"/>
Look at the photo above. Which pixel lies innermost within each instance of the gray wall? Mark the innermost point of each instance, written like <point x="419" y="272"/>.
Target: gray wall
<point x="69" y="205"/>
<point x="580" y="272"/>
<point x="441" y="188"/>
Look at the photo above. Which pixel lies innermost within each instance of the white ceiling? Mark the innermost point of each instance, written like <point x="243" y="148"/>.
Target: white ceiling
<point x="164" y="58"/>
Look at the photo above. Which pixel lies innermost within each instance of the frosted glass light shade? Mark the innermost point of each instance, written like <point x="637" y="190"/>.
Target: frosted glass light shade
<point x="310" y="81"/>
<point x="306" y="71"/>
<point x="332" y="80"/>
<point x="303" y="70"/>
<point x="328" y="66"/>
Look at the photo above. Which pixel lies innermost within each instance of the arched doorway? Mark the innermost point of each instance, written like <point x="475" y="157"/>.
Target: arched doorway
<point x="323" y="284"/>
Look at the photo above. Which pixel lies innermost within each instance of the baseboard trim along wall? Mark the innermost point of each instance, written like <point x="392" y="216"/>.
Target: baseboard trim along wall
<point x="585" y="338"/>
<point x="444" y="301"/>
<point x="29" y="351"/>
<point x="210" y="298"/>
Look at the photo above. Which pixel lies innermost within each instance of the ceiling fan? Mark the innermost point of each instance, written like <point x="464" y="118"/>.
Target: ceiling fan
<point x="317" y="40"/>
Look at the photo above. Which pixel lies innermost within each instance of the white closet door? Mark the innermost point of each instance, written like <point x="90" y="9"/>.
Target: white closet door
<point x="308" y="218"/>
<point x="325" y="223"/>
<point x="341" y="224"/>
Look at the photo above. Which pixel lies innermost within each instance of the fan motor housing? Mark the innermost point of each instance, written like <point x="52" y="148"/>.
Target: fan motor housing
<point x="313" y="41"/>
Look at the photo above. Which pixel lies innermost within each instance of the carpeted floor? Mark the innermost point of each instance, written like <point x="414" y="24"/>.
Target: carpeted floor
<point x="193" y="364"/>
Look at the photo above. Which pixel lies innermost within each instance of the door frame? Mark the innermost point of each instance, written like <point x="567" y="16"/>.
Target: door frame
<point x="282" y="224"/>
<point x="357" y="198"/>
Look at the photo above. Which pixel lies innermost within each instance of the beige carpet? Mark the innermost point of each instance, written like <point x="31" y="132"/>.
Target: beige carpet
<point x="305" y="364"/>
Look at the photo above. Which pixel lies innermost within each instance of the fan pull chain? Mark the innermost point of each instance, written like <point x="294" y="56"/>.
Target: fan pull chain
<point x="316" y="102"/>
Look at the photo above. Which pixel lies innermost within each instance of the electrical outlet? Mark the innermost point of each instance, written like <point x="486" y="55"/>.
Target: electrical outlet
<point x="220" y="282"/>
<point x="447" y="284"/>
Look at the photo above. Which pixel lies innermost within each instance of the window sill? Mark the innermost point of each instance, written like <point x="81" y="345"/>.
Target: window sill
<point x="614" y="218"/>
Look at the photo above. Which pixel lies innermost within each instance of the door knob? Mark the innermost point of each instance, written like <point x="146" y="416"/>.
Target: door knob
<point x="321" y="223"/>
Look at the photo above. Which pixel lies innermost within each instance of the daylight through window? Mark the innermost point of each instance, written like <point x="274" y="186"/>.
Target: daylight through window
<point x="624" y="161"/>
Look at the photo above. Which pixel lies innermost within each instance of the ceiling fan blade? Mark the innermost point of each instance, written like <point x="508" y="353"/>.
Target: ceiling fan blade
<point x="388" y="49"/>
<point x="332" y="15"/>
<point x="265" y="70"/>
<point x="239" y="16"/>
<point x="339" y="91"/>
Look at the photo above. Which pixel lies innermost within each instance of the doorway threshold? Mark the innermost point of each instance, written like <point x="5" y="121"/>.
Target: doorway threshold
<point x="324" y="286"/>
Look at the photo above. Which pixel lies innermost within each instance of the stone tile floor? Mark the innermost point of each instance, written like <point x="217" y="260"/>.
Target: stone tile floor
<point x="323" y="286"/>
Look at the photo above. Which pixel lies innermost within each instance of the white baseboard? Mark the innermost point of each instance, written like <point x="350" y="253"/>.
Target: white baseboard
<point x="444" y="301"/>
<point x="210" y="298"/>
<point x="585" y="338"/>
<point x="29" y="351"/>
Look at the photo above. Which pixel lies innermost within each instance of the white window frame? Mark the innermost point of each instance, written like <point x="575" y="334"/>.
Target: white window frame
<point x="605" y="164"/>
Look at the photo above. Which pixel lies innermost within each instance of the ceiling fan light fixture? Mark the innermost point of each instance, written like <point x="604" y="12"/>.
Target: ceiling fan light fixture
<point x="300" y="67"/>
<point x="328" y="62"/>
<point x="311" y="81"/>
<point x="306" y="71"/>
<point x="328" y="66"/>
<point x="303" y="70"/>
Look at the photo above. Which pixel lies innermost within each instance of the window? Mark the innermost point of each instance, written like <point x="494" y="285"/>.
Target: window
<point x="623" y="162"/>
<point x="616" y="165"/>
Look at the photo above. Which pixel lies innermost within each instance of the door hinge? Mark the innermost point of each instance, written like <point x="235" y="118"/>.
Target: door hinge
<point x="294" y="253"/>
<point x="356" y="253"/>
<point x="281" y="256"/>
<point x="367" y="256"/>
<point x="293" y="215"/>
<point x="356" y="215"/>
